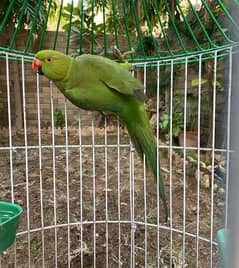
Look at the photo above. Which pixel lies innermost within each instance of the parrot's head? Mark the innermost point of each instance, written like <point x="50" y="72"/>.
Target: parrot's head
<point x="53" y="64"/>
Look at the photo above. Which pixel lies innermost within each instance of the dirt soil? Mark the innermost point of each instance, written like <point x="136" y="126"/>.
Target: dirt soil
<point x="111" y="215"/>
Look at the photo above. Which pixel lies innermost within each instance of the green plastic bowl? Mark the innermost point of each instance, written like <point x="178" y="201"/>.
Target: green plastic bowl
<point x="222" y="237"/>
<point x="9" y="221"/>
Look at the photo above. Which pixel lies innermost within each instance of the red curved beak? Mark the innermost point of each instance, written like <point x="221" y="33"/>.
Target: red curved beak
<point x="36" y="65"/>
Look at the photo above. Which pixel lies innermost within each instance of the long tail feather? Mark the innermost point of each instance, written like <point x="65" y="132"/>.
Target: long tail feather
<point x="142" y="137"/>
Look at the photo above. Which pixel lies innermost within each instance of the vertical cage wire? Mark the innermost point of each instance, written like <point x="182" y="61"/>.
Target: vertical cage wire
<point x="54" y="171"/>
<point x="213" y="150"/>
<point x="94" y="192"/>
<point x="118" y="192"/>
<point x="131" y="219"/>
<point x="10" y="132"/>
<point x="106" y="197"/>
<point x="40" y="169"/>
<point x="198" y="154"/>
<point x="157" y="137"/>
<point x="67" y="184"/>
<point x="26" y="161"/>
<point x="132" y="204"/>
<point x="81" y="178"/>
<point x="171" y="161"/>
<point x="184" y="156"/>
<point x="228" y="133"/>
<point x="145" y="191"/>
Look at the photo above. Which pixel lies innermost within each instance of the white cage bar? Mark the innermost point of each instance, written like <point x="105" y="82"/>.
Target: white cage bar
<point x="109" y="207"/>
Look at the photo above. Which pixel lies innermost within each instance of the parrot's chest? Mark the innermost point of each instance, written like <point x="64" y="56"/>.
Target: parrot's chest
<point x="80" y="98"/>
<point x="92" y="96"/>
<point x="77" y="95"/>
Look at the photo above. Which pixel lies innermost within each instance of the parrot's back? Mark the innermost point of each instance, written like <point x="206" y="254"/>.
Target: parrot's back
<point x="97" y="83"/>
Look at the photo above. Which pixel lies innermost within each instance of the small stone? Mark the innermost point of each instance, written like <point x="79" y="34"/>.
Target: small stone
<point x="223" y="163"/>
<point x="220" y="204"/>
<point x="201" y="175"/>
<point x="194" y="208"/>
<point x="19" y="202"/>
<point x="108" y="190"/>
<point x="215" y="187"/>
<point x="219" y="157"/>
<point x="206" y="181"/>
<point x="221" y="191"/>
<point x="209" y="167"/>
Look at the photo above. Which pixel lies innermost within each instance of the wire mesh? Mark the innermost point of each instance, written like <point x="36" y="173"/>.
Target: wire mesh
<point x="132" y="21"/>
<point x="89" y="201"/>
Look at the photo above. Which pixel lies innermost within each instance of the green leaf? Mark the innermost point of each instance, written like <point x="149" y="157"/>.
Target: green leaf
<point x="176" y="131"/>
<point x="195" y="82"/>
<point x="218" y="84"/>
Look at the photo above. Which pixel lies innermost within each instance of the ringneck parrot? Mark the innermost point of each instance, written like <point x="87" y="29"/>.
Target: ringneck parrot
<point x="99" y="84"/>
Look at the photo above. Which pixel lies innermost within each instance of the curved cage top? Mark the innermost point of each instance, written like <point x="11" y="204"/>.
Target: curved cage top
<point x="145" y="30"/>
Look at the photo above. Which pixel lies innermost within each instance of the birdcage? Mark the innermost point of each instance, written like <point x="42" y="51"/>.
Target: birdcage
<point x="87" y="198"/>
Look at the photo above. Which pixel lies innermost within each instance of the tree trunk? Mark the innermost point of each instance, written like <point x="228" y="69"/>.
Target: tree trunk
<point x="172" y="7"/>
<point x="138" y="9"/>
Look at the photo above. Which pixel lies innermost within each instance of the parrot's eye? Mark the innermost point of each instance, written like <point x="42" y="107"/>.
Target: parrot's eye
<point x="48" y="59"/>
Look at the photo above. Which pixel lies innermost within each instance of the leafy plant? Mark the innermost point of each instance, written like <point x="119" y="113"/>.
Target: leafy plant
<point x="196" y="82"/>
<point x="29" y="9"/>
<point x="191" y="111"/>
<point x="75" y="122"/>
<point x="59" y="118"/>
<point x="177" y="123"/>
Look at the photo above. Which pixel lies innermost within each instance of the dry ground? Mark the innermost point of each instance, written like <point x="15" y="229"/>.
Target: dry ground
<point x="91" y="202"/>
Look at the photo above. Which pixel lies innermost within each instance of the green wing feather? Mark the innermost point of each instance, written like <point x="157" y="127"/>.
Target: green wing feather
<point x="113" y="75"/>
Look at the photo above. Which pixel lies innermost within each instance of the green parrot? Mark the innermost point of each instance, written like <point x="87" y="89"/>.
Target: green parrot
<point x="99" y="84"/>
